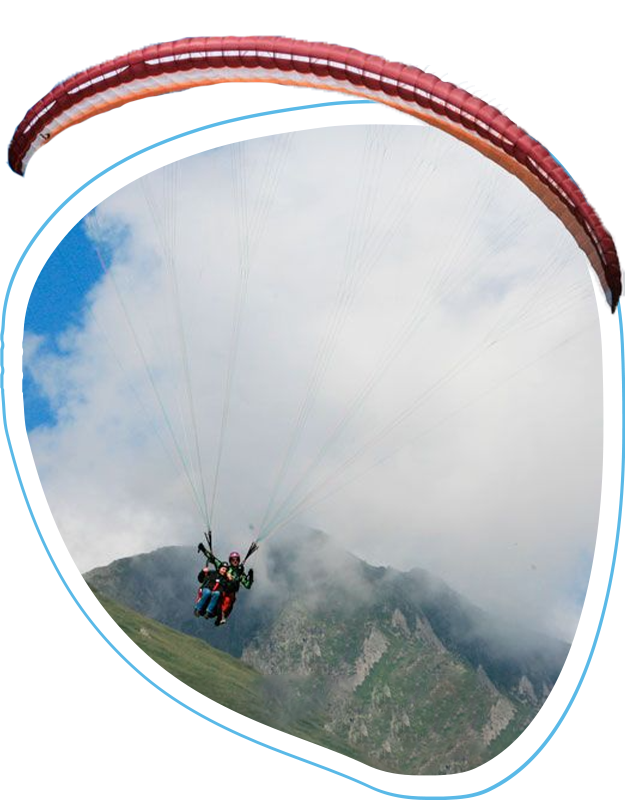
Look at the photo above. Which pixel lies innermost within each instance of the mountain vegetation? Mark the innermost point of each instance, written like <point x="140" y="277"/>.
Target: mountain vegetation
<point x="392" y="668"/>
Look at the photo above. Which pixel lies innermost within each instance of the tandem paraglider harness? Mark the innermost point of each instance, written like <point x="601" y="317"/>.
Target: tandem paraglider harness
<point x="217" y="593"/>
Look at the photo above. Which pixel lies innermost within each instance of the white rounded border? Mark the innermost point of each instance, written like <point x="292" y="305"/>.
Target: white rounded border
<point x="48" y="238"/>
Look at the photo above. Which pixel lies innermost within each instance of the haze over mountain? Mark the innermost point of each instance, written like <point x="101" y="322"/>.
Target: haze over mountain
<point x="402" y="670"/>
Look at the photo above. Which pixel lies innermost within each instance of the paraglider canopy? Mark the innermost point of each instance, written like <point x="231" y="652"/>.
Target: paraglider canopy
<point x="186" y="63"/>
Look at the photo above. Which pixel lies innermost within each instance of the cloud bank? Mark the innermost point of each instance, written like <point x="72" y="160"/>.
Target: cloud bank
<point x="371" y="331"/>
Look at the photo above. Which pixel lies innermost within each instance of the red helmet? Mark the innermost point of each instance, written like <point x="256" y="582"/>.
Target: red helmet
<point x="234" y="555"/>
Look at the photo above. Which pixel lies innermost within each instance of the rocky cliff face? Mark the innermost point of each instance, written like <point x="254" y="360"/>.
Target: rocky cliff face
<point x="395" y="664"/>
<point x="392" y="691"/>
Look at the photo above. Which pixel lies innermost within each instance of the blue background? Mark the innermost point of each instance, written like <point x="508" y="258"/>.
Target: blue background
<point x="78" y="720"/>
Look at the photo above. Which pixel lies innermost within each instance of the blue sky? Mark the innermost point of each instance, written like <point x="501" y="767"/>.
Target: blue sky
<point x="56" y="303"/>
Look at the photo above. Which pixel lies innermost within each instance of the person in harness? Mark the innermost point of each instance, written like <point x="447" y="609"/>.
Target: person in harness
<point x="236" y="577"/>
<point x="210" y="594"/>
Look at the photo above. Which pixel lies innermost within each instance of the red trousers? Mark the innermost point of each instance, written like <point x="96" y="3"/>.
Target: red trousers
<point x="227" y="604"/>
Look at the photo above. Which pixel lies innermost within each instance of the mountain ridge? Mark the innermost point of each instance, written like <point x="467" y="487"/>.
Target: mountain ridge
<point x="396" y="665"/>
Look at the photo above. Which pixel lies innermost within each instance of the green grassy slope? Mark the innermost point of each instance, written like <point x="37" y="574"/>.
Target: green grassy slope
<point x="222" y="678"/>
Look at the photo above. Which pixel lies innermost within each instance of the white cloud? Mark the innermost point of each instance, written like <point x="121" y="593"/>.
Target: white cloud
<point x="466" y="302"/>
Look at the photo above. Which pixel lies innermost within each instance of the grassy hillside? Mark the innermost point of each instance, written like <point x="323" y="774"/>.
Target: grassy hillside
<point x="215" y="674"/>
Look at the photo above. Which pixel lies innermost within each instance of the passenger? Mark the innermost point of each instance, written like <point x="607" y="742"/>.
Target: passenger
<point x="210" y="594"/>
